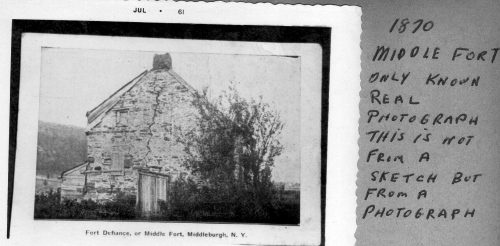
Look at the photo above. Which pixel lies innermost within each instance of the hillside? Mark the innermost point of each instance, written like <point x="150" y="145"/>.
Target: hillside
<point x="60" y="147"/>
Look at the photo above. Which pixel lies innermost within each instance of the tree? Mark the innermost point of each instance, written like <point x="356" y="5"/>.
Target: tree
<point x="235" y="145"/>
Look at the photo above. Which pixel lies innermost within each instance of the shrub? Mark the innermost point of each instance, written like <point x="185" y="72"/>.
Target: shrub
<point x="50" y="206"/>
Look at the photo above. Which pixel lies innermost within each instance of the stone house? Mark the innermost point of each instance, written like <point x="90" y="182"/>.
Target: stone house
<point x="134" y="139"/>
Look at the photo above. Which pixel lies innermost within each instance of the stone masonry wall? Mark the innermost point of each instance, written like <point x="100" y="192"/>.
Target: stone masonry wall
<point x="144" y="129"/>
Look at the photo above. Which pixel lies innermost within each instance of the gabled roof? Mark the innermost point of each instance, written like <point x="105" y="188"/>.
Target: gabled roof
<point x="73" y="168"/>
<point x="112" y="100"/>
<point x="96" y="113"/>
<point x="161" y="63"/>
<point x="182" y="81"/>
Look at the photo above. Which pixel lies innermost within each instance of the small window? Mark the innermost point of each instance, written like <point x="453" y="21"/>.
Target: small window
<point x="106" y="157"/>
<point x="168" y="122"/>
<point x="121" y="117"/>
<point x="128" y="163"/>
<point x="117" y="161"/>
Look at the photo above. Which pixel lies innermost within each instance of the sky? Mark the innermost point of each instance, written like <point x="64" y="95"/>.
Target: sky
<point x="73" y="81"/>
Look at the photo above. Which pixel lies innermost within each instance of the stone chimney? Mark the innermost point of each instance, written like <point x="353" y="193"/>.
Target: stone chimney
<point x="162" y="62"/>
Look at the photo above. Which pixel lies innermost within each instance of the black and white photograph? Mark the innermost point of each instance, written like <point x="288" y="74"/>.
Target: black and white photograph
<point x="179" y="130"/>
<point x="167" y="136"/>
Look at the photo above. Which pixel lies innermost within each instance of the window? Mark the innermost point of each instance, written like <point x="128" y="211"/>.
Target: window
<point x="128" y="161"/>
<point x="106" y="157"/>
<point x="121" y="117"/>
<point x="117" y="161"/>
<point x="168" y="121"/>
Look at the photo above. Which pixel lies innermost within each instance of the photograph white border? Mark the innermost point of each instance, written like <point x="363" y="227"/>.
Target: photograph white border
<point x="310" y="63"/>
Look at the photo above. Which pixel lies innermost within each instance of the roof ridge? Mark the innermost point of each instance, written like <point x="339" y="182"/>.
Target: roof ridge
<point x="74" y="167"/>
<point x="114" y="93"/>
<point x="182" y="81"/>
